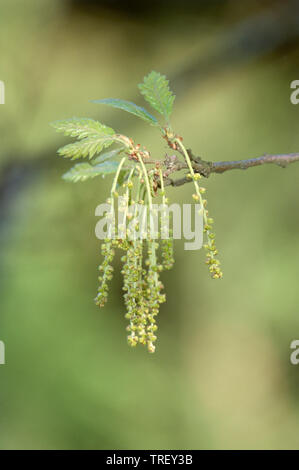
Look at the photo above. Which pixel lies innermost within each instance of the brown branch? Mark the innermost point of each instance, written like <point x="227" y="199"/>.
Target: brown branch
<point x="206" y="168"/>
<point x="281" y="160"/>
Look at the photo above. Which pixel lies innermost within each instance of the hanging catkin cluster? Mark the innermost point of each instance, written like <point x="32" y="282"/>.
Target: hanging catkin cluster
<point x="141" y="267"/>
<point x="137" y="180"/>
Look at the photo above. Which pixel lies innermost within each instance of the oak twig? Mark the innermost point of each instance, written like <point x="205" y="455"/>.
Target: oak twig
<point x="205" y="168"/>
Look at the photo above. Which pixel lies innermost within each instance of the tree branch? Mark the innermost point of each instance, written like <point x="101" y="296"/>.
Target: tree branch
<point x="281" y="160"/>
<point x="206" y="168"/>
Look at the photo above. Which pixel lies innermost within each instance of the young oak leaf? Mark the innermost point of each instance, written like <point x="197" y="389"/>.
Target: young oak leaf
<point x="81" y="128"/>
<point x="156" y="91"/>
<point x="130" y="108"/>
<point x="85" y="171"/>
<point x="87" y="147"/>
<point x="107" y="155"/>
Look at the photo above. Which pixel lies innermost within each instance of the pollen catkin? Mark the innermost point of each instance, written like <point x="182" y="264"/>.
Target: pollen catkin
<point x="106" y="272"/>
<point x="142" y="287"/>
<point x="154" y="295"/>
<point x="167" y="253"/>
<point x="166" y="232"/>
<point x="211" y="260"/>
<point x="132" y="271"/>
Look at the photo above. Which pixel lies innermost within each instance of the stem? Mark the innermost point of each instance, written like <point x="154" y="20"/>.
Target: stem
<point x="163" y="218"/>
<point x="192" y="172"/>
<point x="117" y="174"/>
<point x="113" y="188"/>
<point x="162" y="183"/>
<point x="153" y="258"/>
<point x="212" y="261"/>
<point x="127" y="197"/>
<point x="147" y="183"/>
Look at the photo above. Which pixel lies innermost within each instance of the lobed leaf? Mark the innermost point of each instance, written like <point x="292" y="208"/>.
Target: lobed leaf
<point x="130" y="108"/>
<point x="107" y="155"/>
<point x="85" y="171"/>
<point x="87" y="147"/>
<point x="156" y="91"/>
<point x="82" y="128"/>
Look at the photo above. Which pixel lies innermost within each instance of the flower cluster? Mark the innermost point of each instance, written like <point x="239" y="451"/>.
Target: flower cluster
<point x="106" y="272"/>
<point x="167" y="240"/>
<point x="212" y="252"/>
<point x="141" y="269"/>
<point x="210" y="247"/>
<point x="211" y="257"/>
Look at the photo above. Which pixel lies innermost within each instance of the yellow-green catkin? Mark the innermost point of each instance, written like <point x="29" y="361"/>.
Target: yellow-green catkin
<point x="210" y="246"/>
<point x="107" y="250"/>
<point x="166" y="231"/>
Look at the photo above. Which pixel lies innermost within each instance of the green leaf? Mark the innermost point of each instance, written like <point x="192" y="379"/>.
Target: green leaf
<point x="130" y="108"/>
<point x="87" y="147"/>
<point x="84" y="171"/>
<point x="156" y="92"/>
<point x="81" y="128"/>
<point x="107" y="155"/>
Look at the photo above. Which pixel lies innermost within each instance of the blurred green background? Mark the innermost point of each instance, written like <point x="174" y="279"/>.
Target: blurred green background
<point x="221" y="376"/>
